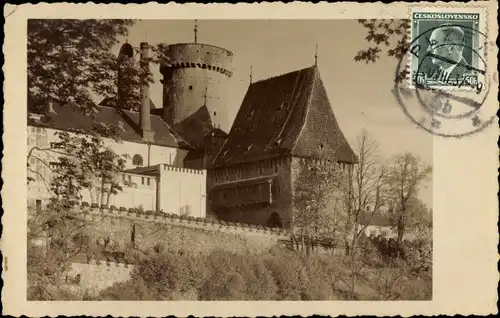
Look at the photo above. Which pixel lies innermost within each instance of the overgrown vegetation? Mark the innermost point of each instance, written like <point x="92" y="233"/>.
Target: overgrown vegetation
<point x="277" y="274"/>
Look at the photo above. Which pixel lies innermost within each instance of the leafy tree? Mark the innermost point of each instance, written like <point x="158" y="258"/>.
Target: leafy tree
<point x="70" y="59"/>
<point x="70" y="63"/>
<point x="405" y="173"/>
<point x="316" y="215"/>
<point x="419" y="220"/>
<point x="85" y="162"/>
<point x="386" y="35"/>
<point x="54" y="237"/>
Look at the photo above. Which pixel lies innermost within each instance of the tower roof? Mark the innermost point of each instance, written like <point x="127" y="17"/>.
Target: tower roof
<point x="286" y="115"/>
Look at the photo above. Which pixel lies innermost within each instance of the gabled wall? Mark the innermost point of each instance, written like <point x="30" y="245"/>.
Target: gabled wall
<point x="182" y="191"/>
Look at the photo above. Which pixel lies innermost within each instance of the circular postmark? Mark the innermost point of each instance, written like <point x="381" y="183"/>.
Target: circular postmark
<point x="446" y="96"/>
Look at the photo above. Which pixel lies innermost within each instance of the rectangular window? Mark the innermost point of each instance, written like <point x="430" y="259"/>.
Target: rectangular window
<point x="124" y="177"/>
<point x="129" y="178"/>
<point x="142" y="180"/>
<point x="148" y="181"/>
<point x="38" y="204"/>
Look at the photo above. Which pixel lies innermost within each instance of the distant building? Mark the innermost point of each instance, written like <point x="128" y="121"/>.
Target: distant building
<point x="183" y="160"/>
<point x="377" y="225"/>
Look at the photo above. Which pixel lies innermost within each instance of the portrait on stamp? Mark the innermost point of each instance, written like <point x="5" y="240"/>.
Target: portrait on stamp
<point x="448" y="49"/>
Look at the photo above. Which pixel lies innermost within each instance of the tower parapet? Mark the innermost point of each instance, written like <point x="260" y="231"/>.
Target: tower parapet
<point x="195" y="75"/>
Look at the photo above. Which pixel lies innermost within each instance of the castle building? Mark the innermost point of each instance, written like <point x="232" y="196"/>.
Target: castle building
<point x="282" y="120"/>
<point x="184" y="157"/>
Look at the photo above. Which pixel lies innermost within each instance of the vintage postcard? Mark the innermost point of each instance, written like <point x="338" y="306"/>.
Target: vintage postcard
<point x="238" y="160"/>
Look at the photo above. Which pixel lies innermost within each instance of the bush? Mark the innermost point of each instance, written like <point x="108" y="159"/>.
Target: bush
<point x="112" y="207"/>
<point x="94" y="205"/>
<point x="123" y="209"/>
<point x="85" y="204"/>
<point x="277" y="274"/>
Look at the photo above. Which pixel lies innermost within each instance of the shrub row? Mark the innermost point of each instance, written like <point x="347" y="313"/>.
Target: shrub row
<point x="270" y="275"/>
<point x="182" y="217"/>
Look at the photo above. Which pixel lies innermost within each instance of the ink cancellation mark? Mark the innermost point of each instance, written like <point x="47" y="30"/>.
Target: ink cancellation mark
<point x="448" y="82"/>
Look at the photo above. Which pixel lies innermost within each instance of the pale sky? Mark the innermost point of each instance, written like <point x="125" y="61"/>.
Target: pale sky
<point x="360" y="93"/>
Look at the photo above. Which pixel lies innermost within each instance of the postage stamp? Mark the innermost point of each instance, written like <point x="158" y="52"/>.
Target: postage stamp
<point x="235" y="160"/>
<point x="448" y="50"/>
<point x="448" y="76"/>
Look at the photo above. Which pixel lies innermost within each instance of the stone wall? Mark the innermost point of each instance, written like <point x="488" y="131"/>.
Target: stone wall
<point x="126" y="229"/>
<point x="95" y="276"/>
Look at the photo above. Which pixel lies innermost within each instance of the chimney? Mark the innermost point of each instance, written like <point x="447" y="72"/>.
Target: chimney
<point x="145" y="116"/>
<point x="51" y="107"/>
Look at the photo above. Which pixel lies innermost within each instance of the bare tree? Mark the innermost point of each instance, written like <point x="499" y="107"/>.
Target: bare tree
<point x="405" y="174"/>
<point x="364" y="194"/>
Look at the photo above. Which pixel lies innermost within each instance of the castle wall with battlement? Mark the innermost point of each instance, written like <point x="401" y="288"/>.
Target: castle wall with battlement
<point x="94" y="276"/>
<point x="125" y="229"/>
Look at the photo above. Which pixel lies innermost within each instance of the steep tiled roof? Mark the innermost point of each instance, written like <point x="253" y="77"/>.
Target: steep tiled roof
<point x="110" y="102"/>
<point x="195" y="128"/>
<point x="67" y="118"/>
<point x="287" y="114"/>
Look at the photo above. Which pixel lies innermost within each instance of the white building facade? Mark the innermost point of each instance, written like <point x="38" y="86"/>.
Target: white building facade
<point x="162" y="185"/>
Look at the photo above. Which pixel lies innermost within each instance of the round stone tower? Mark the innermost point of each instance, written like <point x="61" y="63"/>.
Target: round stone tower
<point x="195" y="75"/>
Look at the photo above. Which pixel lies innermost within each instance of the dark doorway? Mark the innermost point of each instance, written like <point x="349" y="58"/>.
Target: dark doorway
<point x="38" y="206"/>
<point x="274" y="220"/>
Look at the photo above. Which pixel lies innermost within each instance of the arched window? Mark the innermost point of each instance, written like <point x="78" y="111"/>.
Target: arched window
<point x="137" y="160"/>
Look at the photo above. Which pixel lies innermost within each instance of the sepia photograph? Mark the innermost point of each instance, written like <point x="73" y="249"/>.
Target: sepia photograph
<point x="264" y="159"/>
<point x="210" y="160"/>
